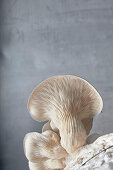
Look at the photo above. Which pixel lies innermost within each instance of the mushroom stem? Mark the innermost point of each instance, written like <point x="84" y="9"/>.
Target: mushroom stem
<point x="72" y="133"/>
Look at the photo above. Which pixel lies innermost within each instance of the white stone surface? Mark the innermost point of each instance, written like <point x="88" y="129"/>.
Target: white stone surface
<point x="98" y="155"/>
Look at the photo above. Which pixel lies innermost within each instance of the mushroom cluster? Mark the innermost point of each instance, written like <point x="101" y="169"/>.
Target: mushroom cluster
<point x="69" y="103"/>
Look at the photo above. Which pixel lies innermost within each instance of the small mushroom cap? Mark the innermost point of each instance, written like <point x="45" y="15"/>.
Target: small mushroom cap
<point x="40" y="146"/>
<point x="46" y="126"/>
<point x="59" y="96"/>
<point x="48" y="164"/>
<point x="50" y="126"/>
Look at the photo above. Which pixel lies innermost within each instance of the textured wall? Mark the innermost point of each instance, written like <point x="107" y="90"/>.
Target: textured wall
<point x="39" y="39"/>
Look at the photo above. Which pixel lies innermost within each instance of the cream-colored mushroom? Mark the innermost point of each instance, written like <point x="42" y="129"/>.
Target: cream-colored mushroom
<point x="48" y="164"/>
<point x="38" y="146"/>
<point x="46" y="126"/>
<point x="69" y="102"/>
<point x="50" y="126"/>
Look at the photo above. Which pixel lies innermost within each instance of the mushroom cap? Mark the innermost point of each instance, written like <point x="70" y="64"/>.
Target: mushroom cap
<point x="50" y="126"/>
<point x="61" y="96"/>
<point x="38" y="146"/>
<point x="48" y="164"/>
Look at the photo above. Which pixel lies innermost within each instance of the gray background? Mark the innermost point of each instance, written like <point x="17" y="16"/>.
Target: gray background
<point x="42" y="38"/>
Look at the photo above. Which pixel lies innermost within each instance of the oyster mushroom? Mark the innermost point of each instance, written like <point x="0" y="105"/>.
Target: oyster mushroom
<point x="48" y="164"/>
<point x="46" y="126"/>
<point x="70" y="103"/>
<point x="38" y="147"/>
<point x="50" y="126"/>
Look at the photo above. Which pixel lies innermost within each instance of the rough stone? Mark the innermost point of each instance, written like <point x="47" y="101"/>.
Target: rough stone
<point x="98" y="155"/>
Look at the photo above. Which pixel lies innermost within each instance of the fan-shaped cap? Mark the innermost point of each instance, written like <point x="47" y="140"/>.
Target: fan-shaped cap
<point x="48" y="164"/>
<point x="38" y="146"/>
<point x="59" y="96"/>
